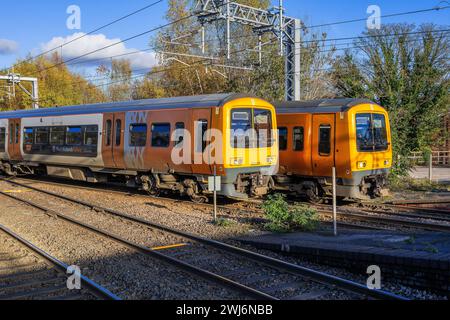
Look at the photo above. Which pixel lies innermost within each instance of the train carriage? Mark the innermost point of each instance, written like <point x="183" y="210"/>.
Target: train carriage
<point x="352" y="135"/>
<point x="134" y="143"/>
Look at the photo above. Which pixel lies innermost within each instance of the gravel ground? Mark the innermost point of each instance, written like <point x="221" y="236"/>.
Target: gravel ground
<point x="119" y="269"/>
<point x="197" y="220"/>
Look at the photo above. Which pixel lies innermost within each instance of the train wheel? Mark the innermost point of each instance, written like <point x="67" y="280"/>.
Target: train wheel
<point x="199" y="199"/>
<point x="313" y="195"/>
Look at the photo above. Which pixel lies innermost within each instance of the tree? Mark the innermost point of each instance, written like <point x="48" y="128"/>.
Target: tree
<point x="405" y="72"/>
<point x="58" y="86"/>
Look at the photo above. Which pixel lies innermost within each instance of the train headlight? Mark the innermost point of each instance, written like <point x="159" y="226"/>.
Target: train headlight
<point x="362" y="164"/>
<point x="271" y="160"/>
<point x="237" y="161"/>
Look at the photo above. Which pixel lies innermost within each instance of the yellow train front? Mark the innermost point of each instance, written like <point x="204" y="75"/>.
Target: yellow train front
<point x="352" y="135"/>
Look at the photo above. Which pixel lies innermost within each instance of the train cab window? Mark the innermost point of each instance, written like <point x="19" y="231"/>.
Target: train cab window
<point x="2" y="139"/>
<point x="108" y="132"/>
<point x="41" y="136"/>
<point x="16" y="133"/>
<point x="28" y="136"/>
<point x="299" y="138"/>
<point x="325" y="140"/>
<point x="241" y="124"/>
<point x="179" y="134"/>
<point x="74" y="136"/>
<point x="57" y="136"/>
<point x="371" y="132"/>
<point x="118" y="133"/>
<point x="262" y="120"/>
<point x="160" y="135"/>
<point x="283" y="138"/>
<point x="138" y="135"/>
<point x="91" y="136"/>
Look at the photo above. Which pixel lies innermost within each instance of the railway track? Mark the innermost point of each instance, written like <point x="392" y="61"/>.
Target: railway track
<point x="29" y="273"/>
<point x="251" y="274"/>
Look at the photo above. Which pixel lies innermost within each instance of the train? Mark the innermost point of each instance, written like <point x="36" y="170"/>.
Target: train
<point x="171" y="144"/>
<point x="178" y="144"/>
<point x="351" y="135"/>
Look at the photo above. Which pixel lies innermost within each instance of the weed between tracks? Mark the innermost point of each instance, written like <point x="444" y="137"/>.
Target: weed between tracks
<point x="288" y="218"/>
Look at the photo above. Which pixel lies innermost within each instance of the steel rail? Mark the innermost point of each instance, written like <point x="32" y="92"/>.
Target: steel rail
<point x="151" y="252"/>
<point x="276" y="263"/>
<point x="95" y="288"/>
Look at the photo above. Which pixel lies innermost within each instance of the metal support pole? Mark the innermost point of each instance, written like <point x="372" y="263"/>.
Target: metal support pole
<point x="334" y="203"/>
<point x="203" y="39"/>
<point x="228" y="21"/>
<point x="260" y="49"/>
<point x="430" y="168"/>
<point x="281" y="18"/>
<point x="215" y="194"/>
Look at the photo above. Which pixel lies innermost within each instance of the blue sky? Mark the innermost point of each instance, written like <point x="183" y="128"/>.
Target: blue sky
<point x="30" y="24"/>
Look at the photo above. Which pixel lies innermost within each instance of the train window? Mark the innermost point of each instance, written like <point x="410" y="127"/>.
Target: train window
<point x="2" y="139"/>
<point x="241" y="124"/>
<point x="371" y="132"/>
<point x="138" y="135"/>
<point x="41" y="136"/>
<point x="299" y="138"/>
<point x="108" y="132"/>
<point x="16" y="133"/>
<point x="160" y="135"/>
<point x="57" y="136"/>
<point x="11" y="134"/>
<point x="201" y="131"/>
<point x="28" y="136"/>
<point x="325" y="140"/>
<point x="179" y="134"/>
<point x="283" y="138"/>
<point x="91" y="136"/>
<point x="118" y="133"/>
<point x="262" y="120"/>
<point x="74" y="136"/>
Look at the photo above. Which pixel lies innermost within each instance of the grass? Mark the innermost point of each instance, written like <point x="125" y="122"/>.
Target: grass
<point x="288" y="218"/>
<point x="409" y="184"/>
<point x="224" y="223"/>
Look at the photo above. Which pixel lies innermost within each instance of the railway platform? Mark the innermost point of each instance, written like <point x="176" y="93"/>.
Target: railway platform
<point x="420" y="260"/>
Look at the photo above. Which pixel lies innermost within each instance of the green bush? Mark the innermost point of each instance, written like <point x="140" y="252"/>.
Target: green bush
<point x="285" y="218"/>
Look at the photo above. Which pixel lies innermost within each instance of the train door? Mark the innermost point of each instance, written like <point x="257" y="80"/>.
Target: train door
<point x="113" y="140"/>
<point x="323" y="141"/>
<point x="14" y="140"/>
<point x="201" y="123"/>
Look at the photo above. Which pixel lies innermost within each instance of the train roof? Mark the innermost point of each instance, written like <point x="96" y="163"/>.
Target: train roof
<point x="319" y="106"/>
<point x="211" y="100"/>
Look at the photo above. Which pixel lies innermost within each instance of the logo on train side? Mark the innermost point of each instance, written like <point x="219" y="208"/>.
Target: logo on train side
<point x="374" y="280"/>
<point x="73" y="22"/>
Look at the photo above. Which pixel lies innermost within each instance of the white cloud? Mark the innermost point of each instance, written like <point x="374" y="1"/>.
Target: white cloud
<point x="91" y="43"/>
<point x="8" y="46"/>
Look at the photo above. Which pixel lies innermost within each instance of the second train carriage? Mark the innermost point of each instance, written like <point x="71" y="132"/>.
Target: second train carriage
<point x="352" y="135"/>
<point x="132" y="143"/>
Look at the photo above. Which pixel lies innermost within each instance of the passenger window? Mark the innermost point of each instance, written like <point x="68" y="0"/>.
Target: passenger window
<point x="11" y="133"/>
<point x="2" y="139"/>
<point x="119" y="132"/>
<point x="57" y="136"/>
<point x="41" y="136"/>
<point x="299" y="138"/>
<point x="283" y="139"/>
<point x="74" y="136"/>
<point x="161" y="135"/>
<point x="91" y="136"/>
<point x="28" y="136"/>
<point x="325" y="140"/>
<point x="202" y="129"/>
<point x="179" y="134"/>
<point x="138" y="135"/>
<point x="108" y="132"/>
<point x="17" y="133"/>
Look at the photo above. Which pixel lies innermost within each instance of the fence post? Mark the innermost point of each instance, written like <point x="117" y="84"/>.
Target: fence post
<point x="430" y="169"/>
<point x="334" y="203"/>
